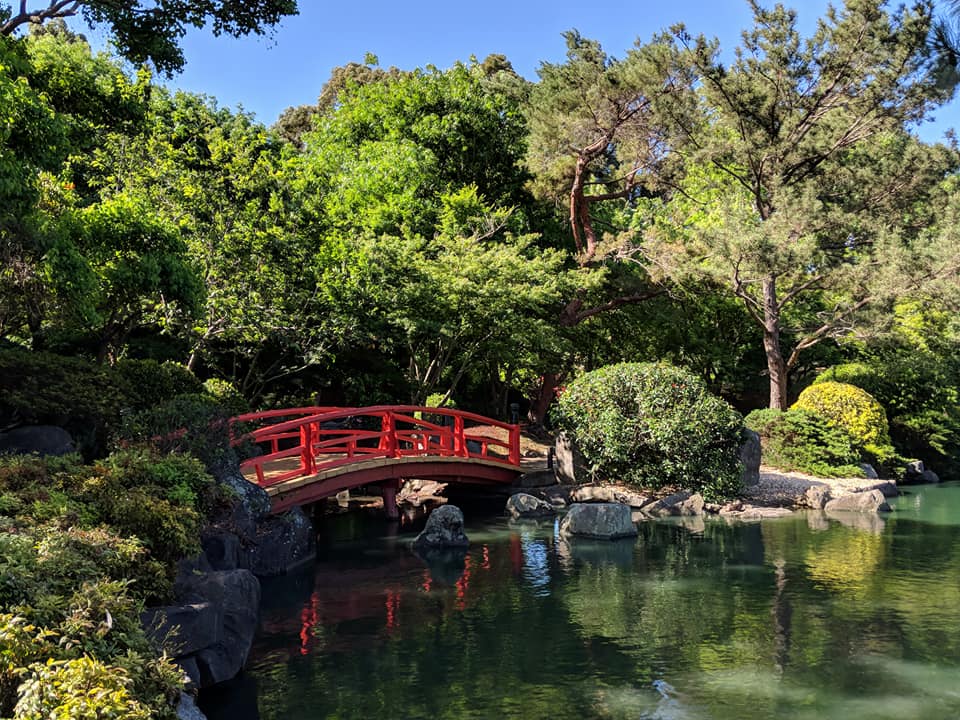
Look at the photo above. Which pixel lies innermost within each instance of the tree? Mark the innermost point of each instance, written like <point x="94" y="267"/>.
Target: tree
<point x="803" y="191"/>
<point x="597" y="145"/>
<point x="152" y="31"/>
<point x="469" y="294"/>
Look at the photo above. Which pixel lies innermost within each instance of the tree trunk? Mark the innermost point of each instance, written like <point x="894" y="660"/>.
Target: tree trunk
<point x="546" y="393"/>
<point x="776" y="365"/>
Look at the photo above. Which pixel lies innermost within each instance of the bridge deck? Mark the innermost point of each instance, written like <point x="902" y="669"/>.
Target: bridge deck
<point x="276" y="468"/>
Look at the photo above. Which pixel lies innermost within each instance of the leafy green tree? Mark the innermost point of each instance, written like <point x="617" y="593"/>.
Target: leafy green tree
<point x="33" y="139"/>
<point x="126" y="268"/>
<point x="804" y="195"/>
<point x="152" y="31"/>
<point x="467" y="295"/>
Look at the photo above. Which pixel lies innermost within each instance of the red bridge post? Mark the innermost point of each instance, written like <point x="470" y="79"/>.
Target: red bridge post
<point x="515" y="444"/>
<point x="390" y="488"/>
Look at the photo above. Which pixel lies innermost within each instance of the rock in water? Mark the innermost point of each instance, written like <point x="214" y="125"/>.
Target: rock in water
<point x="522" y="505"/>
<point x="187" y="709"/>
<point x="603" y="521"/>
<point x="444" y="529"/>
<point x="870" y="501"/>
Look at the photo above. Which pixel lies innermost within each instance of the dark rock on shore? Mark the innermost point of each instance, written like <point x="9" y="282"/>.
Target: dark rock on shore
<point x="39" y="439"/>
<point x="750" y="457"/>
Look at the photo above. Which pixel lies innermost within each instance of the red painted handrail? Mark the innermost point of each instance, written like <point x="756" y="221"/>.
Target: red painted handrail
<point x="401" y="434"/>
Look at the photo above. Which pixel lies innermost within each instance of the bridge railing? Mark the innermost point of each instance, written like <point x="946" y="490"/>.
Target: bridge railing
<point x="328" y="438"/>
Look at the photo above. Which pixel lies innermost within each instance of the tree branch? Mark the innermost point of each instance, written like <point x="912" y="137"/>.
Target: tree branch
<point x="56" y="9"/>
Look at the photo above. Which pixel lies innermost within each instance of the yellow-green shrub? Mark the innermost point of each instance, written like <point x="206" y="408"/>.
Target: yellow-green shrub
<point x="852" y="409"/>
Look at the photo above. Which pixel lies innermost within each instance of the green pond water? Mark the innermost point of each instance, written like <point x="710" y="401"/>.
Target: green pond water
<point x="808" y="616"/>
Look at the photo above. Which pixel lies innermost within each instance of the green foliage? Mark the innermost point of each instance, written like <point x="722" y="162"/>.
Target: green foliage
<point x="227" y="396"/>
<point x="653" y="425"/>
<point x="801" y="440"/>
<point x="915" y="375"/>
<point x="43" y="388"/>
<point x="80" y="689"/>
<point x="131" y="516"/>
<point x="854" y="411"/>
<point x="808" y="224"/>
<point x="151" y="31"/>
<point x="148" y="383"/>
<point x="193" y="425"/>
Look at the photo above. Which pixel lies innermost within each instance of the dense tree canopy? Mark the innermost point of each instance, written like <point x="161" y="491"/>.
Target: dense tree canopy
<point x="466" y="232"/>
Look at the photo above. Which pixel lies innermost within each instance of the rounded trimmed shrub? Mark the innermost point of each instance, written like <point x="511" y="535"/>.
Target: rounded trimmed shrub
<point x="148" y="383"/>
<point x="653" y="425"/>
<point x="227" y="395"/>
<point x="851" y="408"/>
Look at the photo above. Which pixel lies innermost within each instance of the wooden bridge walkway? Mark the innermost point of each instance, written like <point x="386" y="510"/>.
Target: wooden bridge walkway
<point x="312" y="453"/>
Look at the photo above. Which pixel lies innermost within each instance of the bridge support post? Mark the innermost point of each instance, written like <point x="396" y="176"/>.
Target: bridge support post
<point x="390" y="488"/>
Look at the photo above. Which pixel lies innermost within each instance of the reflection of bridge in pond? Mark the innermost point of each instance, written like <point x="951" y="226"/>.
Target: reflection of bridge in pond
<point x="325" y="450"/>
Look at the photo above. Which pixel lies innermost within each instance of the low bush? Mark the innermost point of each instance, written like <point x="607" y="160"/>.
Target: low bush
<point x="227" y="396"/>
<point x="803" y="441"/>
<point x="188" y="424"/>
<point x="147" y="383"/>
<point x="80" y="689"/>
<point x="653" y="425"/>
<point x="44" y="389"/>
<point x="920" y="392"/>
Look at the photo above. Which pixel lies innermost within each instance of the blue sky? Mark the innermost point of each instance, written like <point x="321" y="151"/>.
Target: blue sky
<point x="266" y="75"/>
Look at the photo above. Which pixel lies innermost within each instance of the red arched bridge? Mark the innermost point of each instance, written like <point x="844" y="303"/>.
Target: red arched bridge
<point x="313" y="453"/>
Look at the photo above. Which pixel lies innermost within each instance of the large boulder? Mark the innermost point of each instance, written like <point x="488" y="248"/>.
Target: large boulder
<point x="39" y="439"/>
<point x="522" y="505"/>
<point x="917" y="474"/>
<point x="281" y="543"/>
<point x="187" y="709"/>
<point x="870" y="501"/>
<point x="236" y="595"/>
<point x="603" y="521"/>
<point x="680" y="503"/>
<point x="609" y="494"/>
<point x="570" y="465"/>
<point x="816" y="497"/>
<point x="444" y="529"/>
<point x="252" y="499"/>
<point x="750" y="457"/>
<point x="182" y="630"/>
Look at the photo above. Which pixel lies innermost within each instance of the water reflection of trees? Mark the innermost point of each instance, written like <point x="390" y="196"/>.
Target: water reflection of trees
<point x="762" y="620"/>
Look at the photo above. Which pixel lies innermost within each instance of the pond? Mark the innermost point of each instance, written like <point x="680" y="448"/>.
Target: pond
<point x="808" y="616"/>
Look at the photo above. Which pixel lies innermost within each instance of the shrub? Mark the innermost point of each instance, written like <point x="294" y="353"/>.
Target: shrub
<point x="41" y="388"/>
<point x="147" y="383"/>
<point x="189" y="424"/>
<point x="653" y="425"/>
<point x="803" y="441"/>
<point x="80" y="689"/>
<point x="919" y="391"/>
<point x="851" y="409"/>
<point x="228" y="397"/>
<point x="180" y="479"/>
